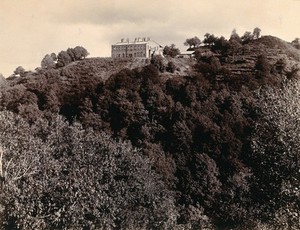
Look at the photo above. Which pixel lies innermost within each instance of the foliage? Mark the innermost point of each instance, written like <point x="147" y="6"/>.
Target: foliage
<point x="296" y="43"/>
<point x="204" y="140"/>
<point x="247" y="37"/>
<point x="262" y="64"/>
<point x="171" y="51"/>
<point x="171" y="67"/>
<point x="72" y="54"/>
<point x="256" y="33"/>
<point x="19" y="71"/>
<point x="276" y="156"/>
<point x="63" y="58"/>
<point x="3" y="81"/>
<point x="234" y="36"/>
<point x="158" y="62"/>
<point x="209" y="39"/>
<point x="192" y="42"/>
<point x="77" y="179"/>
<point x="220" y="45"/>
<point x="49" y="61"/>
<point x="77" y="53"/>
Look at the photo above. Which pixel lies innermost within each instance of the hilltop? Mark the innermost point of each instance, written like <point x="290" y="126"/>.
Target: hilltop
<point x="167" y="143"/>
<point x="277" y="52"/>
<point x="240" y="63"/>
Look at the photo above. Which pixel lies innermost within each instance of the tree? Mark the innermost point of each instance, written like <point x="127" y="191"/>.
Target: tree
<point x="49" y="61"/>
<point x="256" y="33"/>
<point x="209" y="39"/>
<point x="247" y="37"/>
<point x="221" y="44"/>
<point x="19" y="71"/>
<point x="171" y="67"/>
<point x="63" y="59"/>
<point x="234" y="36"/>
<point x="3" y="82"/>
<point x="171" y="51"/>
<point x="192" y="42"/>
<point x="77" y="53"/>
<point x="80" y="52"/>
<point x="71" y="53"/>
<point x="296" y="43"/>
<point x="262" y="64"/>
<point x="234" y="47"/>
<point x="158" y="62"/>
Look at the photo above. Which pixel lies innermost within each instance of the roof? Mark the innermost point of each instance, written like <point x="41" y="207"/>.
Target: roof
<point x="138" y="41"/>
<point x="188" y="52"/>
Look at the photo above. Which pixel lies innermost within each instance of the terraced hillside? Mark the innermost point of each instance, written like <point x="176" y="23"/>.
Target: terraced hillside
<point x="274" y="49"/>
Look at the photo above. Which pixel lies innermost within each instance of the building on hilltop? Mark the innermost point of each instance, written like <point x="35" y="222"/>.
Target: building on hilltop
<point x="140" y="47"/>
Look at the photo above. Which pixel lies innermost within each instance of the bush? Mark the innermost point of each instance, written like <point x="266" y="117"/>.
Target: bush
<point x="171" y="67"/>
<point x="158" y="62"/>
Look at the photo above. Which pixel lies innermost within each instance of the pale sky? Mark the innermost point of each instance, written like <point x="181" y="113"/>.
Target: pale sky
<point x="30" y="29"/>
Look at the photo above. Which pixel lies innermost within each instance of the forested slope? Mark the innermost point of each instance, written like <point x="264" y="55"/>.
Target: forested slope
<point x="209" y="148"/>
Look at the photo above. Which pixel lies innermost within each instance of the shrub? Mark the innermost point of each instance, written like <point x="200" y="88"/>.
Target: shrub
<point x="158" y="62"/>
<point x="171" y="67"/>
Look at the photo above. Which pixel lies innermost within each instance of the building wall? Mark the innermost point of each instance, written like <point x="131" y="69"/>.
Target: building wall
<point x="129" y="50"/>
<point x="135" y="49"/>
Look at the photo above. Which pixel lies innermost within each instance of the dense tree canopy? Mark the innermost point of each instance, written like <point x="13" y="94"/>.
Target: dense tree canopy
<point x="213" y="148"/>
<point x="77" y="179"/>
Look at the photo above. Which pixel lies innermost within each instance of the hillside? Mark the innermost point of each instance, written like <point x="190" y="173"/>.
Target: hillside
<point x="211" y="143"/>
<point x="241" y="63"/>
<point x="101" y="68"/>
<point x="275" y="49"/>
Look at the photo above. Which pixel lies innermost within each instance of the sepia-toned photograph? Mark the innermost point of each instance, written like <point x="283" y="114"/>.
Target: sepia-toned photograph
<point x="149" y="115"/>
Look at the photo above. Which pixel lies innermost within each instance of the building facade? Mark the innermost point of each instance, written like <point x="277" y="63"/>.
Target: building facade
<point x="140" y="47"/>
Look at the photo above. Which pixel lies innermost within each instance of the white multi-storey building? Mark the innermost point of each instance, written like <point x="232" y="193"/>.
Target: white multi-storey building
<point x="140" y="47"/>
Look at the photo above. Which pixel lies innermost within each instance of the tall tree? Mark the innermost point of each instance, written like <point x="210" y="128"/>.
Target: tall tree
<point x="234" y="36"/>
<point x="256" y="33"/>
